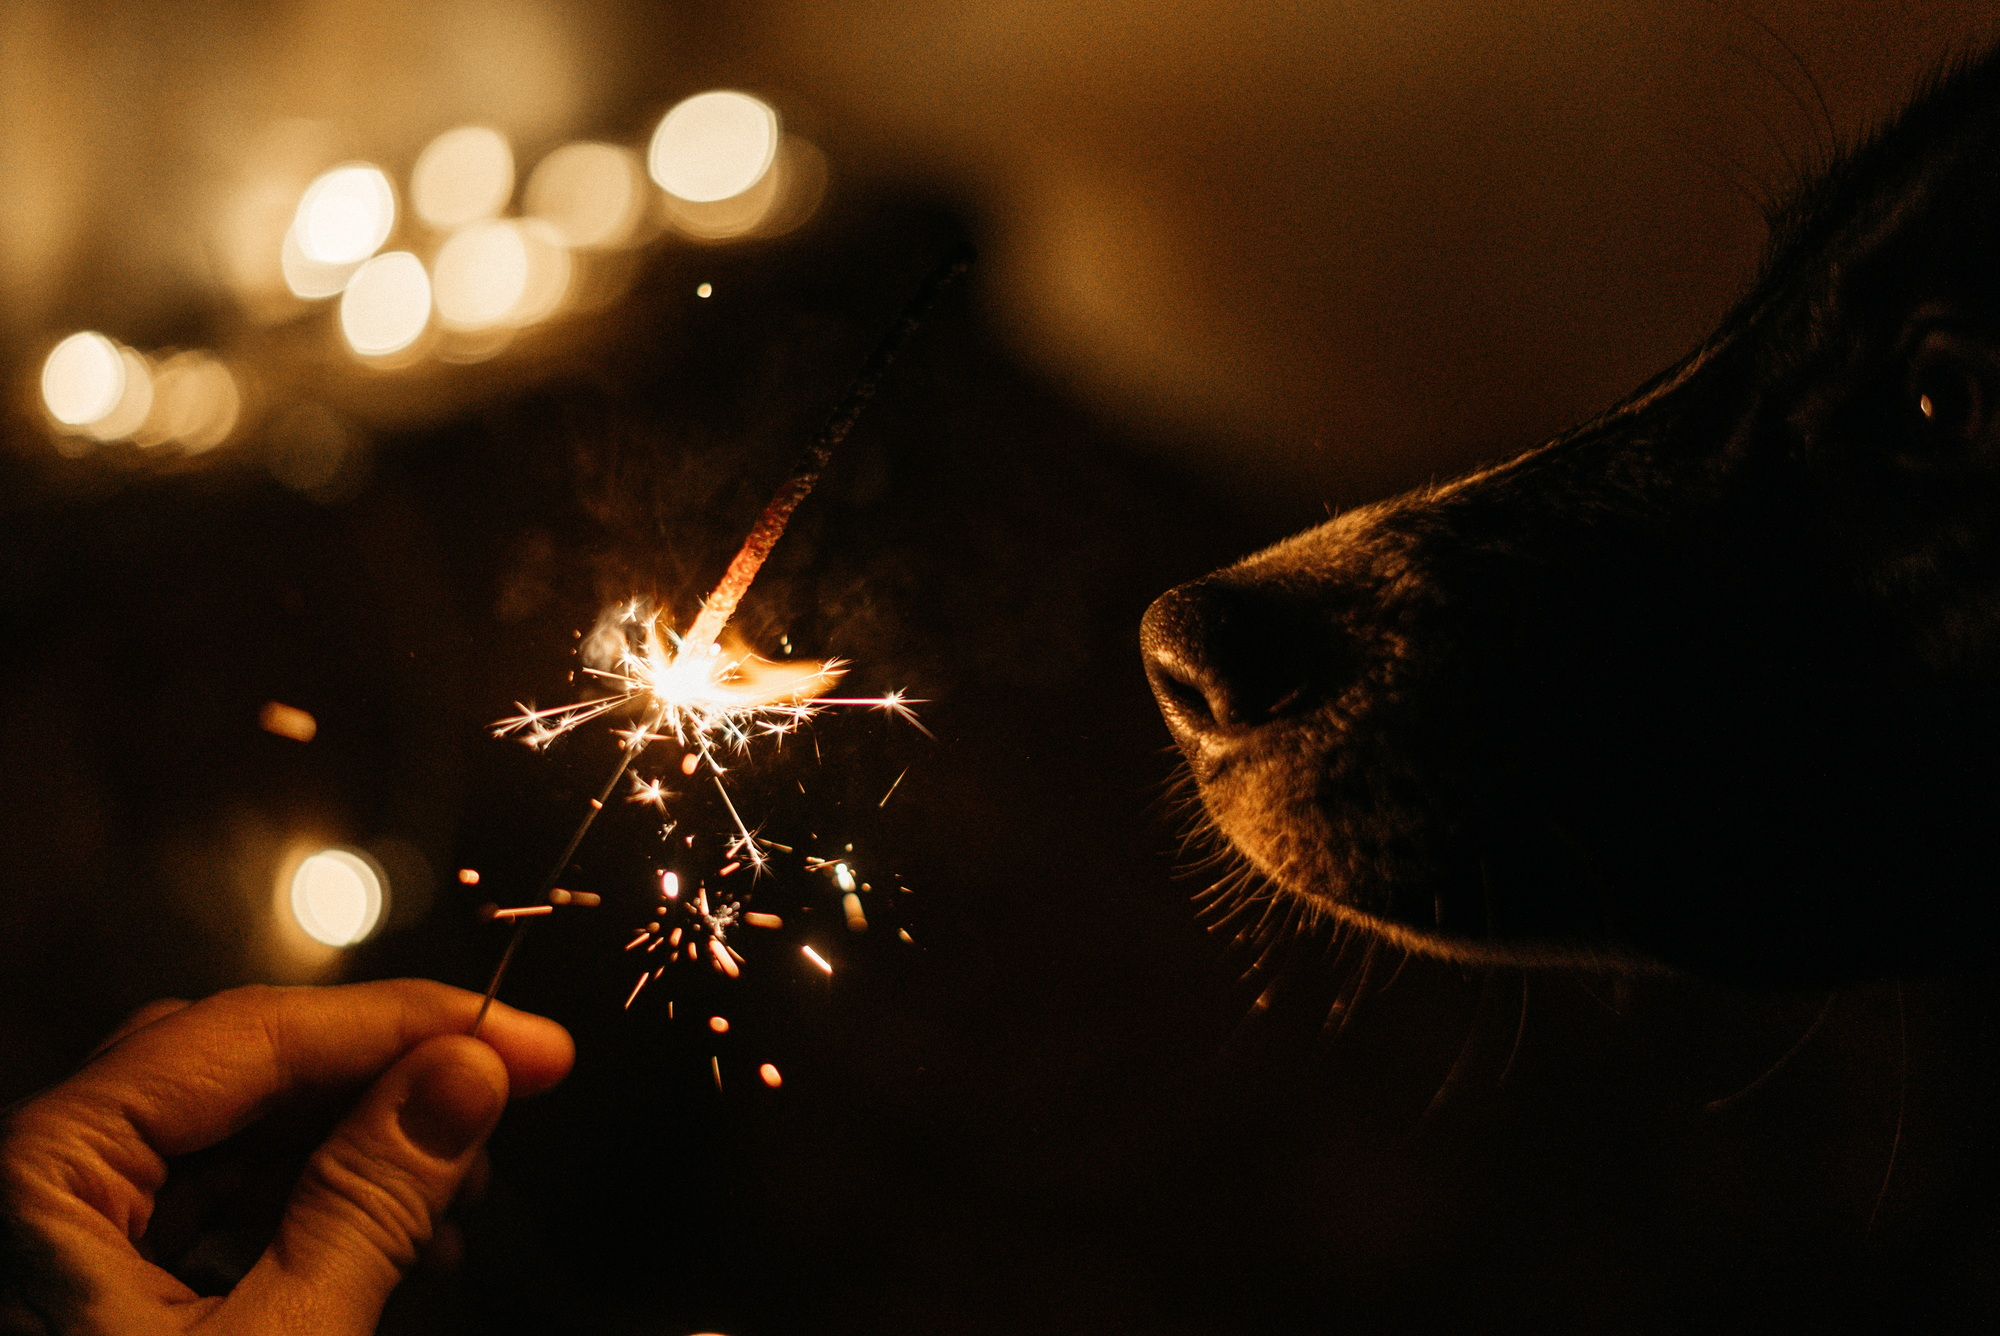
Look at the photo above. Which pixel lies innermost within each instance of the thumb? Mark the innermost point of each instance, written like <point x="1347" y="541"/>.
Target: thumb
<point x="366" y="1202"/>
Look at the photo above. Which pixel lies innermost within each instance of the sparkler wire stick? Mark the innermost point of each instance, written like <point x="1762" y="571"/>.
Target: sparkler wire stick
<point x="632" y="750"/>
<point x="720" y="605"/>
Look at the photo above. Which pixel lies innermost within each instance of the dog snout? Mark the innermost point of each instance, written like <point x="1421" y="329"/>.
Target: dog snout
<point x="1224" y="659"/>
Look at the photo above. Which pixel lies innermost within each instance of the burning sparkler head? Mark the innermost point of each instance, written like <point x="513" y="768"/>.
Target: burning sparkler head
<point x="706" y="696"/>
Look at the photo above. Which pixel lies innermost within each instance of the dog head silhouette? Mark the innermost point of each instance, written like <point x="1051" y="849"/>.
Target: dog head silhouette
<point x="1711" y="682"/>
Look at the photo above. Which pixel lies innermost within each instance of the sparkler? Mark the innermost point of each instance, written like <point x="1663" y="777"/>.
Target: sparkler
<point x="714" y="699"/>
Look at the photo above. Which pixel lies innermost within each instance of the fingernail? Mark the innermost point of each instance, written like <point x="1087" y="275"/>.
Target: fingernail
<point x="451" y="1105"/>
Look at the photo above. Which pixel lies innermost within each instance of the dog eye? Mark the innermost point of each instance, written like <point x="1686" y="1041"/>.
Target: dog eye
<point x="1947" y="390"/>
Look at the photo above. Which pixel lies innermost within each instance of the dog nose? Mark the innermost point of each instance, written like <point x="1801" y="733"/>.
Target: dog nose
<point x="1225" y="658"/>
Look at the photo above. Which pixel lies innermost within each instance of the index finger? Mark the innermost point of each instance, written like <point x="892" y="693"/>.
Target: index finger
<point x="203" y="1073"/>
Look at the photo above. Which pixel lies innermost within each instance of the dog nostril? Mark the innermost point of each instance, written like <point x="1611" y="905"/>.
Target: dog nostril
<point x="1224" y="657"/>
<point x="1178" y="688"/>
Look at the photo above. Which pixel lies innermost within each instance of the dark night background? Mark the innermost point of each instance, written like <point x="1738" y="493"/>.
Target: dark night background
<point x="1239" y="266"/>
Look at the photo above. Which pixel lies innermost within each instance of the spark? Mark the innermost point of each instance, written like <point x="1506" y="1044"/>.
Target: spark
<point x="712" y="697"/>
<point x="650" y="791"/>
<point x="745" y="845"/>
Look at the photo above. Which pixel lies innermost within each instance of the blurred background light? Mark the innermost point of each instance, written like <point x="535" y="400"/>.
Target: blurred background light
<point x="287" y="721"/>
<point x="129" y="414"/>
<point x="481" y="273"/>
<point x="500" y="273"/>
<point x="462" y="176"/>
<point x="195" y="403"/>
<point x="82" y="379"/>
<point x="713" y="146"/>
<point x="386" y="304"/>
<point x="592" y="193"/>
<point x="307" y="277"/>
<point x="337" y="896"/>
<point x="548" y="271"/>
<point x="784" y="197"/>
<point x="345" y="214"/>
<point x="312" y="449"/>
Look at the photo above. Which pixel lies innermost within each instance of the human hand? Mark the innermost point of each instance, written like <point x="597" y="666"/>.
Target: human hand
<point x="81" y="1163"/>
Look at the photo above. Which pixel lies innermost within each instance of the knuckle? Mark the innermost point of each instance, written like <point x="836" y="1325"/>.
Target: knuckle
<point x="256" y="997"/>
<point x="369" y="1194"/>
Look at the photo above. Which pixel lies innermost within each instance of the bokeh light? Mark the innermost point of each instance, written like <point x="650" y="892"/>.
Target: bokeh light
<point x="196" y="403"/>
<point x="481" y="273"/>
<point x="593" y="193"/>
<point x="307" y="277"/>
<point x="713" y="146"/>
<point x="783" y="198"/>
<point x="345" y="215"/>
<point x="312" y="449"/>
<point x="548" y="271"/>
<point x="500" y="273"/>
<point x="462" y="176"/>
<point x="129" y="414"/>
<point x="287" y="721"/>
<point x="386" y="305"/>
<point x="337" y="896"/>
<point x="83" y="379"/>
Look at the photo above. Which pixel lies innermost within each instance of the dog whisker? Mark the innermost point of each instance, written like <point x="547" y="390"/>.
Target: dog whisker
<point x="1456" y="1073"/>
<point x="1902" y="1106"/>
<point x="1520" y="1031"/>
<point x="1798" y="1045"/>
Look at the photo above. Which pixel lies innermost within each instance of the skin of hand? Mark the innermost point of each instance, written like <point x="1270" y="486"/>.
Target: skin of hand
<point x="81" y="1163"/>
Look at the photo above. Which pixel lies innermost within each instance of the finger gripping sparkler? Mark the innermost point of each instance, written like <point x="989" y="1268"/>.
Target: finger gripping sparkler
<point x="685" y="683"/>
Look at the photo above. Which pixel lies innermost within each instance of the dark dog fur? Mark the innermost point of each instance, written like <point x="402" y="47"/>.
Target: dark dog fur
<point x="1711" y="682"/>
